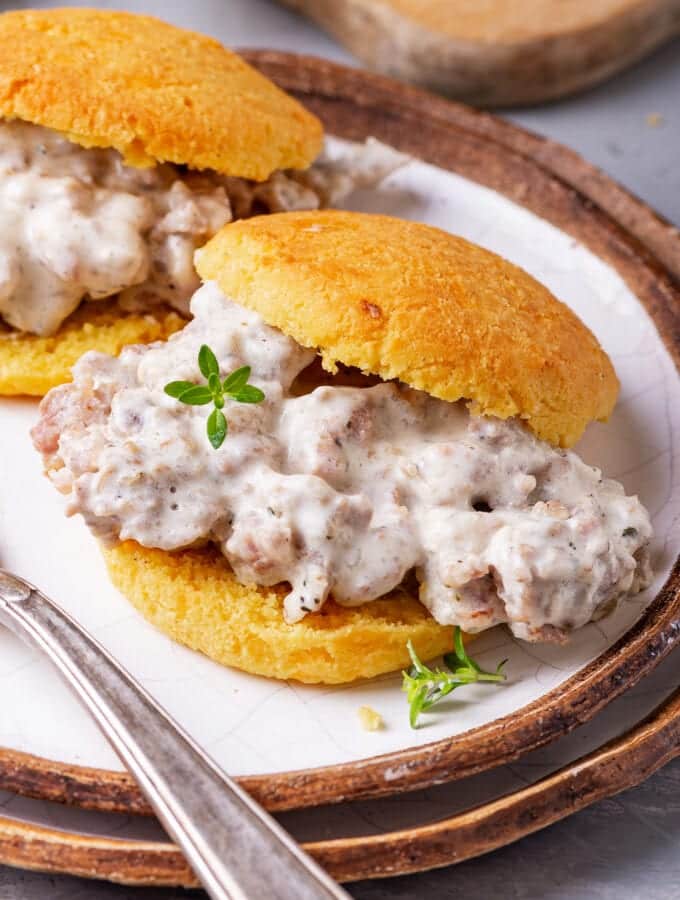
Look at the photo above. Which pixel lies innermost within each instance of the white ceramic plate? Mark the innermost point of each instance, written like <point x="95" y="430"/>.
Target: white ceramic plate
<point x="255" y="726"/>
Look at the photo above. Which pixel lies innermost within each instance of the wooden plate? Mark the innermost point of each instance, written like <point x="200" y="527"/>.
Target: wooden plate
<point x="621" y="763"/>
<point x="559" y="187"/>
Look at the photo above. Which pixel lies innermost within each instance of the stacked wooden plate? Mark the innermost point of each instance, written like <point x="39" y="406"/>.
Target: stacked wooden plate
<point x="618" y="265"/>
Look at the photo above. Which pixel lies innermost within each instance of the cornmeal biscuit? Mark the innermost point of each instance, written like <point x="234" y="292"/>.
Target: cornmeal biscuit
<point x="194" y="597"/>
<point x="153" y="92"/>
<point x="30" y="364"/>
<point x="408" y="301"/>
<point x="401" y="301"/>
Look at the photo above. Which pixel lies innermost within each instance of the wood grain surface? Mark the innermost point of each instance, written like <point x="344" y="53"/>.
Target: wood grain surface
<point x="496" y="53"/>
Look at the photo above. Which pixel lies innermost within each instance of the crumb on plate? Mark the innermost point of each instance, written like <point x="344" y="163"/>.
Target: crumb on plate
<point x="654" y="119"/>
<point x="370" y="719"/>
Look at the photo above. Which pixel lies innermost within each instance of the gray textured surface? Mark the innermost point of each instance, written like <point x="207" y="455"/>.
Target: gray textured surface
<point x="626" y="847"/>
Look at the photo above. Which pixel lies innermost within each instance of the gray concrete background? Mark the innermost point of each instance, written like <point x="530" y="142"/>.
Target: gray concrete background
<point x="626" y="847"/>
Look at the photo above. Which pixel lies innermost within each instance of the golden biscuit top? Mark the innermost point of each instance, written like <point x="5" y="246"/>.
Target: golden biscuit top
<point x="408" y="301"/>
<point x="154" y="92"/>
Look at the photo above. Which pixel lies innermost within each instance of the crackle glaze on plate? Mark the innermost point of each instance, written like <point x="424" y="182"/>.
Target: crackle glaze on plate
<point x="255" y="726"/>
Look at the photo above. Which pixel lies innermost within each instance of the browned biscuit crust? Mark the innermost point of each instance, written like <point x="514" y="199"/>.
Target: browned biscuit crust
<point x="150" y="90"/>
<point x="408" y="301"/>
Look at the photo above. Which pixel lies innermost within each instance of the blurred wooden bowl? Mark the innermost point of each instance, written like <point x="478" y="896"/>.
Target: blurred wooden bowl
<point x="497" y="52"/>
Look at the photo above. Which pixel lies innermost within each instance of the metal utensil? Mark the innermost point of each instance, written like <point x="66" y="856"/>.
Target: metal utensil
<point x="236" y="849"/>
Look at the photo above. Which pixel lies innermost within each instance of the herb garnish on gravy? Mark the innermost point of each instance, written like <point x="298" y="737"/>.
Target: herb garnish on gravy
<point x="234" y="387"/>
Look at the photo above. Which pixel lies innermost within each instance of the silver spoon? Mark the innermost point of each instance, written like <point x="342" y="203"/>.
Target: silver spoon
<point x="235" y="848"/>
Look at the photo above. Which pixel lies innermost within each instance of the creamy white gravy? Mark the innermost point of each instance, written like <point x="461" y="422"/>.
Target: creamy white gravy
<point x="77" y="224"/>
<point x="344" y="490"/>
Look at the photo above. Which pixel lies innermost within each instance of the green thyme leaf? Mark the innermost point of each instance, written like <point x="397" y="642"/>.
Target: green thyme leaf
<point x="419" y="667"/>
<point x="215" y="384"/>
<point x="424" y="686"/>
<point x="416" y="700"/>
<point x="177" y="388"/>
<point x="235" y="386"/>
<point x="207" y="362"/>
<point x="217" y="428"/>
<point x="460" y="655"/>
<point x="197" y="395"/>
<point x="248" y="394"/>
<point x="237" y="380"/>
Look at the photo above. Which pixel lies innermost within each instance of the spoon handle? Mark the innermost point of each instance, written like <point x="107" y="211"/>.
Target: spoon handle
<point x="236" y="849"/>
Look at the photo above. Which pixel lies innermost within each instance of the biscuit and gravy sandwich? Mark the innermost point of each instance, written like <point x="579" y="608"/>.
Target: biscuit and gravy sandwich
<point x="125" y="143"/>
<point x="360" y="439"/>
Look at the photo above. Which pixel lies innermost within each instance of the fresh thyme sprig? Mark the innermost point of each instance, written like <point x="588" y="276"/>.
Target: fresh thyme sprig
<point x="424" y="686"/>
<point x="234" y="387"/>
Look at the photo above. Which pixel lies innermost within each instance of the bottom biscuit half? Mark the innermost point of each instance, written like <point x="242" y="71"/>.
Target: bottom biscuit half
<point x="32" y="365"/>
<point x="194" y="597"/>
